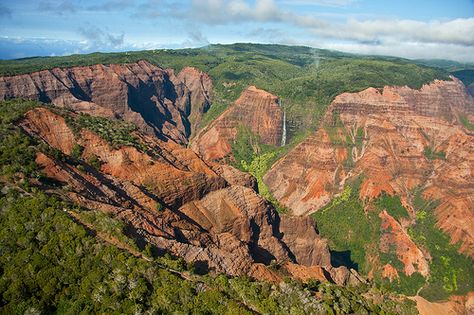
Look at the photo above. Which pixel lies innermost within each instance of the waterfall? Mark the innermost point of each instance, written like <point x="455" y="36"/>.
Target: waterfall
<point x="283" y="136"/>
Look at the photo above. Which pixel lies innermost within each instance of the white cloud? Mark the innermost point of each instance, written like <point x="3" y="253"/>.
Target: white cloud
<point x="233" y="11"/>
<point x="458" y="31"/>
<point x="99" y="39"/>
<point x="454" y="36"/>
<point x="408" y="50"/>
<point x="195" y="39"/>
<point x="325" y="3"/>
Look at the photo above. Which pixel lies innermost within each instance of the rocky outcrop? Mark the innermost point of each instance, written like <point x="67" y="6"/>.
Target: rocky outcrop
<point x="234" y="176"/>
<point x="300" y="179"/>
<point x="399" y="139"/>
<point x="257" y="110"/>
<point x="390" y="273"/>
<point x="429" y="101"/>
<point x="197" y="85"/>
<point x="209" y="215"/>
<point x="155" y="99"/>
<point x="173" y="183"/>
<point x="301" y="237"/>
<point x="455" y="305"/>
<point x="406" y="250"/>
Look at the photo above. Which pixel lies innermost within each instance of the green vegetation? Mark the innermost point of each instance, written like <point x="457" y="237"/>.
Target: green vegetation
<point x="77" y="150"/>
<point x="450" y="272"/>
<point x="466" y="123"/>
<point x="393" y="206"/>
<point x="94" y="161"/>
<point x="256" y="159"/>
<point x="214" y="111"/>
<point x="159" y="207"/>
<point x="49" y="264"/>
<point x="349" y="228"/>
<point x="430" y="154"/>
<point x="116" y="132"/>
<point x="17" y="151"/>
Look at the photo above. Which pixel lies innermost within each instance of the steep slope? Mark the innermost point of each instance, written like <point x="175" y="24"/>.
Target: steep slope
<point x="155" y="99"/>
<point x="400" y="142"/>
<point x="173" y="200"/>
<point x="385" y="135"/>
<point x="255" y="109"/>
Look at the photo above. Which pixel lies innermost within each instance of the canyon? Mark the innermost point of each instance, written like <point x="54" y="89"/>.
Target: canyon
<point x="208" y="213"/>
<point x="176" y="186"/>
<point x="217" y="220"/>
<point x="383" y="135"/>
<point x="399" y="143"/>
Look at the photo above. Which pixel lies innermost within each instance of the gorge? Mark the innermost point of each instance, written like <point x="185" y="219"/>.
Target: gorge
<point x="367" y="191"/>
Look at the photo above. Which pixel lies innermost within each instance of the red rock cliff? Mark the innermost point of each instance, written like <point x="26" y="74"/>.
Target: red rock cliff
<point x="155" y="99"/>
<point x="176" y="202"/>
<point x="384" y="134"/>
<point x="255" y="109"/>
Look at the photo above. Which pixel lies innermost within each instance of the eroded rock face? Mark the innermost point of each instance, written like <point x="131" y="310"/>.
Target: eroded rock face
<point x="399" y="139"/>
<point x="158" y="101"/>
<point x="470" y="88"/>
<point x="406" y="250"/>
<point x="234" y="176"/>
<point x="196" y="86"/>
<point x="301" y="237"/>
<point x="255" y="109"/>
<point x="455" y="305"/>
<point x="210" y="215"/>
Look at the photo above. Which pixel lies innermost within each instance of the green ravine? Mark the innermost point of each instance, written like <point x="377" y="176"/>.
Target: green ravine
<point x="450" y="272"/>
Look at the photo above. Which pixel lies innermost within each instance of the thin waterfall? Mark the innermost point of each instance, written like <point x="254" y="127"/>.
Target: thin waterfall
<point x="283" y="136"/>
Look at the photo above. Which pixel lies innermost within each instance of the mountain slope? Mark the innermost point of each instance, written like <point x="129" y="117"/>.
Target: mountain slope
<point x="256" y="110"/>
<point x="155" y="99"/>
<point x="406" y="145"/>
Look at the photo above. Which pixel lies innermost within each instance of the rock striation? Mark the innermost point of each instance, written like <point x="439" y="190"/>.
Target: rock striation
<point x="155" y="99"/>
<point x="400" y="139"/>
<point x="255" y="109"/>
<point x="208" y="214"/>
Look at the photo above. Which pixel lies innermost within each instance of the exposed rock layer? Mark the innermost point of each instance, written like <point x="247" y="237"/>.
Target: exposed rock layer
<point x="178" y="203"/>
<point x="257" y="110"/>
<point x="155" y="99"/>
<point x="400" y="139"/>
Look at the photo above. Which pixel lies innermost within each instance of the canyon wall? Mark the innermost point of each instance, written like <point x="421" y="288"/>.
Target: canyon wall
<point x="399" y="140"/>
<point x="206" y="213"/>
<point x="256" y="109"/>
<point x="155" y="99"/>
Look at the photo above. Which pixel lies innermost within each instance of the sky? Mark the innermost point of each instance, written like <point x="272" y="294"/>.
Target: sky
<point x="428" y="29"/>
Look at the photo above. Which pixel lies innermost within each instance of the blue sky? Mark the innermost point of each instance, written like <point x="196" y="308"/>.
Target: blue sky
<point x="412" y="29"/>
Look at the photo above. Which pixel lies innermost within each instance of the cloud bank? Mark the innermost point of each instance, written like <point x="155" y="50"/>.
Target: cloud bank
<point x="192" y="23"/>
